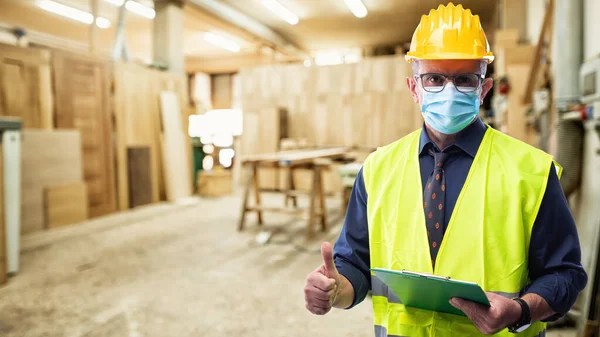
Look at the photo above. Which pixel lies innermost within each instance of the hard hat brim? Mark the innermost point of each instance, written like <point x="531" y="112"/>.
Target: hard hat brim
<point x="455" y="56"/>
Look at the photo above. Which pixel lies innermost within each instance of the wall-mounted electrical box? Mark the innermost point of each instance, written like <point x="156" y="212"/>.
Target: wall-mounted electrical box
<point x="590" y="81"/>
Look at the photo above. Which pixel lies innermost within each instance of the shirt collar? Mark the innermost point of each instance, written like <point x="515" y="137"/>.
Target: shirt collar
<point x="467" y="140"/>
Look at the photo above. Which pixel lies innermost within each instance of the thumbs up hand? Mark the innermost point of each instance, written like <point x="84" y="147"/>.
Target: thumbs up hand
<point x="323" y="284"/>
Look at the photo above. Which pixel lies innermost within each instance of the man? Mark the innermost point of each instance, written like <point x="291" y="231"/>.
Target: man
<point x="457" y="199"/>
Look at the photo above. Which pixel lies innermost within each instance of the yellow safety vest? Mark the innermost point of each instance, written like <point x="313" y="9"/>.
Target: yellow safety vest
<point x="487" y="239"/>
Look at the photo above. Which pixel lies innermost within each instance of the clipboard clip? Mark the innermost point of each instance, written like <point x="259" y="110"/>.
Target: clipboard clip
<point x="425" y="275"/>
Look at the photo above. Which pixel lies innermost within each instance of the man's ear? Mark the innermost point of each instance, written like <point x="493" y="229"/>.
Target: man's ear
<point x="412" y="86"/>
<point x="487" y="85"/>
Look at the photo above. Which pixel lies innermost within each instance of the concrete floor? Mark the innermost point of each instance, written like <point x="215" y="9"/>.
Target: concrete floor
<point x="172" y="270"/>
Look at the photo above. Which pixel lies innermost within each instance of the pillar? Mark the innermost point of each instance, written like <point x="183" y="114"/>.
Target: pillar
<point x="168" y="35"/>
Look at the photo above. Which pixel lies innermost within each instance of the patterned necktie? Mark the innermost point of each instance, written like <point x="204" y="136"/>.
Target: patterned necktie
<point x="434" y="199"/>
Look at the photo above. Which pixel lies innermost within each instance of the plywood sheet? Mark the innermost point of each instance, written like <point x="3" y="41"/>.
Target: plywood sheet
<point x="516" y="117"/>
<point x="215" y="184"/>
<point x="506" y="37"/>
<point x="49" y="158"/>
<point x="65" y="205"/>
<point x="175" y="154"/>
<point x="221" y="91"/>
<point x="82" y="88"/>
<point x="140" y="177"/>
<point x="2" y="223"/>
<point x="26" y="86"/>
<point x="138" y="121"/>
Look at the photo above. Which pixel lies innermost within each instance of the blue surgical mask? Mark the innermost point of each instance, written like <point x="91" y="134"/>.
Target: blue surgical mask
<point x="450" y="110"/>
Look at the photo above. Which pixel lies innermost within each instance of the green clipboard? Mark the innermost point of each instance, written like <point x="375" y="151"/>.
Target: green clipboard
<point x="430" y="292"/>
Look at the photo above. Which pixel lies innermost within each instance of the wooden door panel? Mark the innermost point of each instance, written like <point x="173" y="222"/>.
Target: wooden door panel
<point x="82" y="91"/>
<point x="26" y="86"/>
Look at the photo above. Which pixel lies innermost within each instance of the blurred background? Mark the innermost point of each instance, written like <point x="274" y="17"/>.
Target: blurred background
<point x="171" y="167"/>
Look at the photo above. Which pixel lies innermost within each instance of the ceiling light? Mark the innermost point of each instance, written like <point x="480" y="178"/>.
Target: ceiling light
<point x="139" y="9"/>
<point x="282" y="12"/>
<point x="307" y="63"/>
<point x="117" y="3"/>
<point x="102" y="22"/>
<point x="66" y="11"/>
<point x="357" y="7"/>
<point x="73" y="13"/>
<point x="351" y="58"/>
<point x="328" y="58"/>
<point x="222" y="42"/>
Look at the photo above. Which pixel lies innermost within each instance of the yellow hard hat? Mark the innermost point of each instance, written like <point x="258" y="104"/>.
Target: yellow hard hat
<point x="449" y="33"/>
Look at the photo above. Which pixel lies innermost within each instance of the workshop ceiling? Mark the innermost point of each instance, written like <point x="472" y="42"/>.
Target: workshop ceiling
<point x="324" y="24"/>
<point x="328" y="24"/>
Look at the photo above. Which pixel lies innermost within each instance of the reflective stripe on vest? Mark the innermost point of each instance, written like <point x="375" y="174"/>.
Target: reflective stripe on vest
<point x="487" y="238"/>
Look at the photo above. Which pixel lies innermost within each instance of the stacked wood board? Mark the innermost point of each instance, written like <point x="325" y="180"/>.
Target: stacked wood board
<point x="82" y="86"/>
<point x="215" y="183"/>
<point x="513" y="60"/>
<point x="362" y="104"/>
<point x="365" y="104"/>
<point x="138" y="122"/>
<point x="65" y="204"/>
<point x="26" y="86"/>
<point x="50" y="159"/>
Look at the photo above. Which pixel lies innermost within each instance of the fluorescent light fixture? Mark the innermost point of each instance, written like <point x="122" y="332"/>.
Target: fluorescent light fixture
<point x="357" y="7"/>
<point x="351" y="58"/>
<point x="139" y="9"/>
<point x="72" y="13"/>
<point x="102" y="22"/>
<point x="222" y="42"/>
<point x="66" y="11"/>
<point x="329" y="58"/>
<point x="117" y="3"/>
<point x="282" y="12"/>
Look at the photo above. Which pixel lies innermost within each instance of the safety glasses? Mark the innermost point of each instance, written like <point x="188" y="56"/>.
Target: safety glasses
<point x="434" y="83"/>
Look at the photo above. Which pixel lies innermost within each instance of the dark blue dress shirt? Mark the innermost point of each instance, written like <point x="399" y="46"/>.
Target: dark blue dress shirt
<point x="555" y="267"/>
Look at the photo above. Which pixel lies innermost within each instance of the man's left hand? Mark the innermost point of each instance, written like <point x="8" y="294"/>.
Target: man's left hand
<point x="501" y="313"/>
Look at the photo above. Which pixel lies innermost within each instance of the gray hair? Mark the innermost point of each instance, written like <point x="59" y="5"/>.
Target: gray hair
<point x="415" y="67"/>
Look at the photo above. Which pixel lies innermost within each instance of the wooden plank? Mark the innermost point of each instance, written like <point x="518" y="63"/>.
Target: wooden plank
<point x="65" y="205"/>
<point x="516" y="119"/>
<point x="246" y="184"/>
<point x="221" y="91"/>
<point x="140" y="177"/>
<point x="521" y="54"/>
<point x="174" y="151"/>
<point x="82" y="86"/>
<point x="134" y="124"/>
<point x="506" y="37"/>
<point x="25" y="86"/>
<point x="49" y="158"/>
<point x="515" y="17"/>
<point x="3" y="256"/>
<point x="536" y="62"/>
<point x="296" y="156"/>
<point x="138" y="121"/>
<point x="215" y="184"/>
<point x="276" y="210"/>
<point x="256" y="184"/>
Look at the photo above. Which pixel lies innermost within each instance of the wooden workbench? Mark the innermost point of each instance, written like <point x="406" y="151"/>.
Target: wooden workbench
<point x="317" y="160"/>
